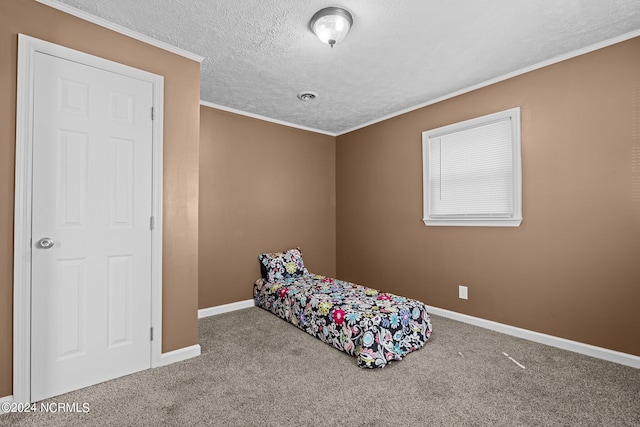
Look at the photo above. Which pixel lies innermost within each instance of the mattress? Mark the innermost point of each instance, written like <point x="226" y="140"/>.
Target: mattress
<point x="373" y="326"/>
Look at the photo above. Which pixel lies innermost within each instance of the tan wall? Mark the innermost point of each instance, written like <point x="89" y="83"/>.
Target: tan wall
<point x="572" y="269"/>
<point x="181" y="144"/>
<point x="263" y="187"/>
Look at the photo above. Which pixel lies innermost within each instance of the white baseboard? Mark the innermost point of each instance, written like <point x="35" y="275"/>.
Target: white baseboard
<point x="165" y="359"/>
<point x="565" y="344"/>
<point x="575" y="346"/>
<point x="225" y="308"/>
<point x="179" y="355"/>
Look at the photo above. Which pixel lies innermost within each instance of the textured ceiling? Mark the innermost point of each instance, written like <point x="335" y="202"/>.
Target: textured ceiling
<point x="399" y="54"/>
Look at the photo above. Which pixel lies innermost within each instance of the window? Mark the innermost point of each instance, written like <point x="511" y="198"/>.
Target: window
<point x="472" y="172"/>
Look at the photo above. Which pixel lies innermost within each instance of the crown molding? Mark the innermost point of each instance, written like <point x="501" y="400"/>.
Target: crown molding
<point x="263" y="118"/>
<point x="120" y="29"/>
<point x="555" y="60"/>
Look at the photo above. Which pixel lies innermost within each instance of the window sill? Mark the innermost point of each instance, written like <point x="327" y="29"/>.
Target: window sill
<point x="477" y="222"/>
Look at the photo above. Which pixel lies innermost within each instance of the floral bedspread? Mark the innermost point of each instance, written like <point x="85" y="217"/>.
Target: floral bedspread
<point x="373" y="326"/>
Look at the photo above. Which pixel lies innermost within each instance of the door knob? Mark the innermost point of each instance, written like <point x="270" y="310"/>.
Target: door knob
<point x="45" y="243"/>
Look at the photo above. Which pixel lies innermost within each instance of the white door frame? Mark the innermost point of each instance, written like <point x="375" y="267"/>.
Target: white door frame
<point x="27" y="48"/>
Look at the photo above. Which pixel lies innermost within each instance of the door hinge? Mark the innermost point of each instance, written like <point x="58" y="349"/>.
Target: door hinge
<point x="153" y="116"/>
<point x="152" y="223"/>
<point x="151" y="334"/>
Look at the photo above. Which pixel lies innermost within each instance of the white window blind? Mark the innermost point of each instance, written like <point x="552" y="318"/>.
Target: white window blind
<point x="472" y="172"/>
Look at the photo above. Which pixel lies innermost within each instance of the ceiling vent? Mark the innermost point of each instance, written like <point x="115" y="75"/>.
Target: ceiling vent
<point x="307" y="95"/>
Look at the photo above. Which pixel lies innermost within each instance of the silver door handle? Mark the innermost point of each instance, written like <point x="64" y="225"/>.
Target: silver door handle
<point x="45" y="243"/>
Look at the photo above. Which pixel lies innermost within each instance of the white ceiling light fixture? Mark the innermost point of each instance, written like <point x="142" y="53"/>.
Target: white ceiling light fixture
<point x="331" y="24"/>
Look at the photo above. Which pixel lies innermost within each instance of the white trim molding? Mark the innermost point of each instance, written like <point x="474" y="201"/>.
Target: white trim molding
<point x="566" y="56"/>
<point x="225" y="308"/>
<point x="179" y="355"/>
<point x="157" y="237"/>
<point x="264" y="118"/>
<point x="120" y="29"/>
<point x="489" y="145"/>
<point x="27" y="49"/>
<point x="565" y="344"/>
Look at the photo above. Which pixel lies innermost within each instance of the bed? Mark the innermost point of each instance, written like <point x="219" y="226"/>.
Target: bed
<point x="373" y="326"/>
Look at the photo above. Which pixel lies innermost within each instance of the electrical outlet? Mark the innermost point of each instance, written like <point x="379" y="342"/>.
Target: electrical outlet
<point x="463" y="292"/>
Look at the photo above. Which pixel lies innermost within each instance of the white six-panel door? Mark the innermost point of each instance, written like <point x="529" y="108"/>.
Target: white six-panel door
<point x="91" y="237"/>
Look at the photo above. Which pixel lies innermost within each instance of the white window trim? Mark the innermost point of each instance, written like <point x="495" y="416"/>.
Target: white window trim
<point x="515" y="219"/>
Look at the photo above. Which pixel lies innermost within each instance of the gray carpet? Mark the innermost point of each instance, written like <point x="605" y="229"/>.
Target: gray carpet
<point x="257" y="370"/>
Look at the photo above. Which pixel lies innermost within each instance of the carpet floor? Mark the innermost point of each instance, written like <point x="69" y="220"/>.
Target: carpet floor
<point x="257" y="370"/>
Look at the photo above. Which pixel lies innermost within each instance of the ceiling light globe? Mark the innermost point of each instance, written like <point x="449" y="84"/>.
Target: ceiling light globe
<point x="331" y="25"/>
